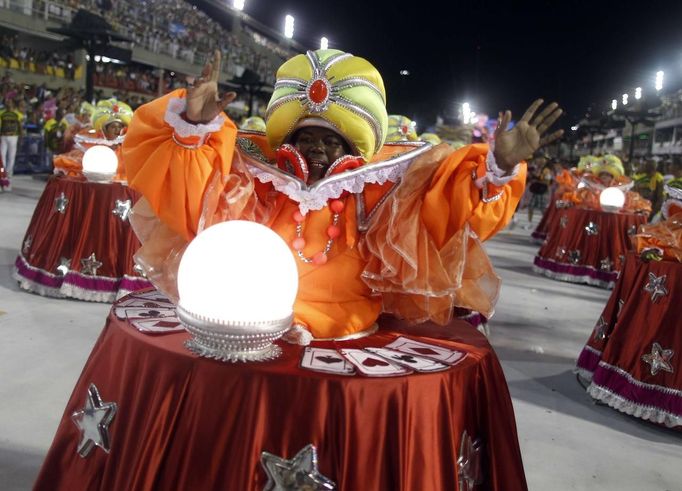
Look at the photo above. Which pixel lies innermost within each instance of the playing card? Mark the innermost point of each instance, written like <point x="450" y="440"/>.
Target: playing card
<point x="372" y="365"/>
<point x="418" y="363"/>
<point x="152" y="296"/>
<point x="426" y="350"/>
<point x="157" y="326"/>
<point x="143" y="313"/>
<point x="143" y="303"/>
<point x="326" y="360"/>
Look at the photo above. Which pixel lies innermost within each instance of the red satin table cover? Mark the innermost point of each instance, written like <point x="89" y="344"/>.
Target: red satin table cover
<point x="570" y="253"/>
<point x="190" y="423"/>
<point x="541" y="231"/>
<point x="614" y="359"/>
<point x="87" y="226"/>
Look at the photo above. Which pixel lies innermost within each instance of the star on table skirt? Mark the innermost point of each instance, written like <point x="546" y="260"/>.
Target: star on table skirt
<point x="299" y="473"/>
<point x="606" y="264"/>
<point x="659" y="359"/>
<point x="574" y="256"/>
<point x="656" y="287"/>
<point x="600" y="329"/>
<point x="27" y="244"/>
<point x="60" y="203"/>
<point x="64" y="265"/>
<point x="632" y="230"/>
<point x="122" y="209"/>
<point x="592" y="228"/>
<point x="560" y="252"/>
<point x="90" y="265"/>
<point x="469" y="463"/>
<point x="563" y="221"/>
<point x="93" y="422"/>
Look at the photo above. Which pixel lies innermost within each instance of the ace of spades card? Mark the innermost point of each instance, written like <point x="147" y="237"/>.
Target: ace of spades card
<point x="326" y="360"/>
<point x="372" y="365"/>
<point x="432" y="351"/>
<point x="417" y="363"/>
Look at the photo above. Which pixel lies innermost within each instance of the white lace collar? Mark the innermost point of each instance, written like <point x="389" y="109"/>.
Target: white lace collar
<point x="316" y="196"/>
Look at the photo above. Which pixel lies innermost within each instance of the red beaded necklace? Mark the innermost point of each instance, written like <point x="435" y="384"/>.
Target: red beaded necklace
<point x="333" y="232"/>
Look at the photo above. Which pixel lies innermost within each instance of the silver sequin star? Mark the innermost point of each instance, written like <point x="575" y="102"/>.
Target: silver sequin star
<point x="64" y="265"/>
<point x="592" y="228"/>
<point x="298" y="473"/>
<point x="632" y="230"/>
<point x="60" y="203"/>
<point x="574" y="256"/>
<point x="469" y="463"/>
<point x="139" y="270"/>
<point x="27" y="244"/>
<point x="122" y="209"/>
<point x="606" y="264"/>
<point x="90" y="265"/>
<point x="563" y="221"/>
<point x="656" y="287"/>
<point x="600" y="329"/>
<point x="93" y="421"/>
<point x="659" y="359"/>
<point x="621" y="302"/>
<point x="560" y="252"/>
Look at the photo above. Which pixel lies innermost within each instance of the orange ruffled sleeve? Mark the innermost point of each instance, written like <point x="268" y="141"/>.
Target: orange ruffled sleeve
<point x="171" y="162"/>
<point x="455" y="198"/>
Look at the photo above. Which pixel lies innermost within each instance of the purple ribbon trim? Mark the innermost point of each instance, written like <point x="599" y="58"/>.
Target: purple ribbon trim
<point x="570" y="269"/>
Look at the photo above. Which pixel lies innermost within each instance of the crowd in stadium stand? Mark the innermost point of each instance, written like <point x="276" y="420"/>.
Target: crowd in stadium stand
<point x="14" y="55"/>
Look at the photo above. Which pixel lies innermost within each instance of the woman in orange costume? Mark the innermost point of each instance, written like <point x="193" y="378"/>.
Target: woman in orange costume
<point x="373" y="227"/>
<point x="110" y="119"/>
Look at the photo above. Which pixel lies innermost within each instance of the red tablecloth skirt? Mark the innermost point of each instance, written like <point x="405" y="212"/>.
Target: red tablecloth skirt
<point x="618" y="359"/>
<point x="76" y="246"/>
<point x="587" y="246"/>
<point x="185" y="422"/>
<point x="541" y="231"/>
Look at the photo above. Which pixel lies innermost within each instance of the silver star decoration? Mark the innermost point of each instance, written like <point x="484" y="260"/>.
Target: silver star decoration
<point x="606" y="264"/>
<point x="659" y="359"/>
<point x="632" y="230"/>
<point x="299" y="473"/>
<point x="60" y="203"/>
<point x="621" y="302"/>
<point x="592" y="228"/>
<point x="469" y="463"/>
<point x="93" y="422"/>
<point x="656" y="287"/>
<point x="27" y="244"/>
<point x="560" y="252"/>
<point x="600" y="329"/>
<point x="90" y="265"/>
<point x="139" y="270"/>
<point x="574" y="256"/>
<point x="122" y="209"/>
<point x="64" y="265"/>
<point x="563" y="221"/>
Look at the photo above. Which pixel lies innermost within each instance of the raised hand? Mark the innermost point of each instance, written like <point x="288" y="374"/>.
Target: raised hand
<point x="526" y="136"/>
<point x="203" y="100"/>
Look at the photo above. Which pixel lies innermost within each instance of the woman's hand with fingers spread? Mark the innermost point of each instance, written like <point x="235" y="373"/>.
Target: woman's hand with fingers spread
<point x="204" y="102"/>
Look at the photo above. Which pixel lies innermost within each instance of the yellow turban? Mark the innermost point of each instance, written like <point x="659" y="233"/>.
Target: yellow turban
<point x="344" y="91"/>
<point x="587" y="161"/>
<point x="432" y="138"/>
<point x="401" y="128"/>
<point x="610" y="164"/>
<point x="254" y="123"/>
<point x="111" y="110"/>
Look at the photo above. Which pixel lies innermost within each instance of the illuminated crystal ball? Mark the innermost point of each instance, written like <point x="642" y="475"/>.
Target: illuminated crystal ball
<point x="100" y="161"/>
<point x="612" y="199"/>
<point x="238" y="272"/>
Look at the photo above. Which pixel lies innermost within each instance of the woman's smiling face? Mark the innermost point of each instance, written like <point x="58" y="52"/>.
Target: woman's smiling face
<point x="320" y="147"/>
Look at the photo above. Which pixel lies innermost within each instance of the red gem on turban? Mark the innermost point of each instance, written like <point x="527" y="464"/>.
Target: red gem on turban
<point x="318" y="91"/>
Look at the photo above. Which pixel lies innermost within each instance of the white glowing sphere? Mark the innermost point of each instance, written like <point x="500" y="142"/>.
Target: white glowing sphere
<point x="612" y="199"/>
<point x="101" y="161"/>
<point x="238" y="272"/>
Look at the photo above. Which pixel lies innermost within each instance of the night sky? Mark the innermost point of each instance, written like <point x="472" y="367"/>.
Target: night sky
<point x="496" y="54"/>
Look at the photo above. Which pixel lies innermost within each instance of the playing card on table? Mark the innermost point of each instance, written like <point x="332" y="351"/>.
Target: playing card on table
<point x="326" y="360"/>
<point x="143" y="313"/>
<point x="152" y="296"/>
<point x="143" y="303"/>
<point x="158" y="326"/>
<point x="432" y="351"/>
<point x="372" y="365"/>
<point x="417" y="363"/>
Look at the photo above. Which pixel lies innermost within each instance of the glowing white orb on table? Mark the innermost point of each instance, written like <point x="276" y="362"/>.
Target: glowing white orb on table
<point x="237" y="283"/>
<point x="100" y="163"/>
<point x="611" y="199"/>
